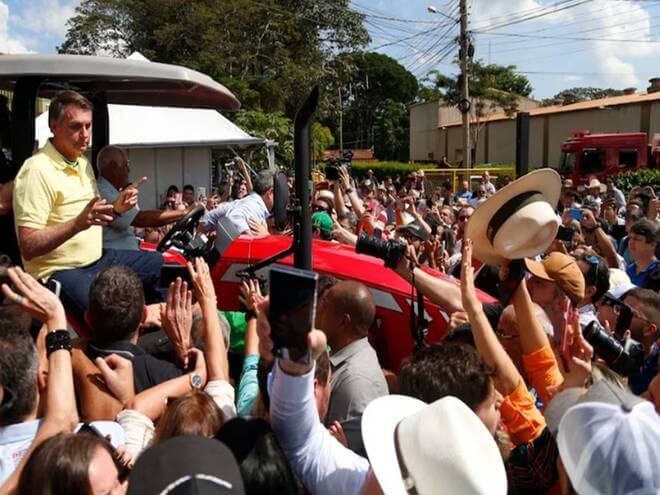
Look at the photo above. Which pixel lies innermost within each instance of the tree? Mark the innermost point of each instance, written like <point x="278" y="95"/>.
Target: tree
<point x="581" y="94"/>
<point x="492" y="88"/>
<point x="274" y="126"/>
<point x="391" y="131"/>
<point x="366" y="80"/>
<point x="267" y="52"/>
<point x="322" y="139"/>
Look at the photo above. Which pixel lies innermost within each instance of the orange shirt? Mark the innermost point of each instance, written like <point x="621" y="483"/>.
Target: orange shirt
<point x="543" y="372"/>
<point x="522" y="420"/>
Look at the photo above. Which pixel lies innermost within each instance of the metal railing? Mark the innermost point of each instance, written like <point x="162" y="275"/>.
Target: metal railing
<point x="435" y="177"/>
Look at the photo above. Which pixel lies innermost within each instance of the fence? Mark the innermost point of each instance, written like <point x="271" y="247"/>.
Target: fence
<point x="435" y="177"/>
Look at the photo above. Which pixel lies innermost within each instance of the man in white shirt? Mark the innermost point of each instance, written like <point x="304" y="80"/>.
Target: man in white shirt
<point x="233" y="218"/>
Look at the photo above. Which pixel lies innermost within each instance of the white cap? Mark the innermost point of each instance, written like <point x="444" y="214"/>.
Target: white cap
<point x="610" y="449"/>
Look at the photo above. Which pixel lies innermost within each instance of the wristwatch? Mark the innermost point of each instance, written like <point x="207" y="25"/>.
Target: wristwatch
<point x="195" y="381"/>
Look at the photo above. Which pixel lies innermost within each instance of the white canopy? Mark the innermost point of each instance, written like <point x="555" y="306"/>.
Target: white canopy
<point x="146" y="127"/>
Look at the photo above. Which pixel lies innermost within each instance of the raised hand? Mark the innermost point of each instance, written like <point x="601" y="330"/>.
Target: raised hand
<point x="117" y="374"/>
<point x="176" y="317"/>
<point x="468" y="291"/>
<point x="128" y="197"/>
<point x="202" y="282"/>
<point x="96" y="213"/>
<point x="250" y="294"/>
<point x="35" y="299"/>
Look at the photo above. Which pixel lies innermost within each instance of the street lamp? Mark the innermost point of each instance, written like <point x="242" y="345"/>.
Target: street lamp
<point x="432" y="9"/>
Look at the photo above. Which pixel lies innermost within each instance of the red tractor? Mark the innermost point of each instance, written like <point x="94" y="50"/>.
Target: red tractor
<point x="107" y="81"/>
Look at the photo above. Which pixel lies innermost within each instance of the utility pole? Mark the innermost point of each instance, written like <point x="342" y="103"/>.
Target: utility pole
<point x="465" y="93"/>
<point x="341" y="122"/>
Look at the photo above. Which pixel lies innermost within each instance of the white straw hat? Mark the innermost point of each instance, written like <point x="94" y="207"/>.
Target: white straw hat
<point x="518" y="221"/>
<point x="441" y="447"/>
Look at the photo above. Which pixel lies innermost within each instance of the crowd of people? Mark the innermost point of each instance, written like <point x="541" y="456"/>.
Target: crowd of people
<point x="552" y="387"/>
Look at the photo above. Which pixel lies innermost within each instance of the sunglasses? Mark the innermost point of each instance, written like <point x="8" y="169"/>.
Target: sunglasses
<point x="593" y="261"/>
<point x="463" y="218"/>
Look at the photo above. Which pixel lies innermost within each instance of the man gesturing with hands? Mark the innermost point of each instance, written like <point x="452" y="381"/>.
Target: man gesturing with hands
<point x="59" y="215"/>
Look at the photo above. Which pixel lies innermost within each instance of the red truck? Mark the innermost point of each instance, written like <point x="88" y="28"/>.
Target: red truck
<point x="584" y="155"/>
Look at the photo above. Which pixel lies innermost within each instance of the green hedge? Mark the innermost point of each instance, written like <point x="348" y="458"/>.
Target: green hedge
<point x="384" y="169"/>
<point x="628" y="180"/>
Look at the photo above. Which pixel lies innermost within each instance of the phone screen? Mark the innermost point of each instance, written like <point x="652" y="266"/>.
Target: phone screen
<point x="565" y="342"/>
<point x="564" y="234"/>
<point x="291" y="311"/>
<point x="575" y="213"/>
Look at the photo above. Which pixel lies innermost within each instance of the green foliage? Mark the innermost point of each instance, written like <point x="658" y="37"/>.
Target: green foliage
<point x="267" y="52"/>
<point x="322" y="139"/>
<point x="628" y="180"/>
<point x="384" y="169"/>
<point x="374" y="88"/>
<point x="275" y="126"/>
<point x="582" y="94"/>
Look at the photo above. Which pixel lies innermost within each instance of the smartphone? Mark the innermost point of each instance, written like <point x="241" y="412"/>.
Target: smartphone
<point x="54" y="286"/>
<point x="576" y="214"/>
<point x="201" y="193"/>
<point x="331" y="172"/>
<point x="564" y="234"/>
<point x="291" y="311"/>
<point x="565" y="340"/>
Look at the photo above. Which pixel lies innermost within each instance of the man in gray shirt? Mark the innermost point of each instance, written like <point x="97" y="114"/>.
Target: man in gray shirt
<point x="114" y="170"/>
<point x="345" y="313"/>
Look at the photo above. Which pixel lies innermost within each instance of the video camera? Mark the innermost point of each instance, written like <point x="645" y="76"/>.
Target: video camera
<point x="391" y="252"/>
<point x="624" y="357"/>
<point x="332" y="164"/>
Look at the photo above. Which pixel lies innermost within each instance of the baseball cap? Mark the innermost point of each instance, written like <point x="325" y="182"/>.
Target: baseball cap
<point x="620" y="290"/>
<point x="562" y="269"/>
<point x="442" y="444"/>
<point x="322" y="221"/>
<point x="186" y="465"/>
<point x="415" y="229"/>
<point x="611" y="448"/>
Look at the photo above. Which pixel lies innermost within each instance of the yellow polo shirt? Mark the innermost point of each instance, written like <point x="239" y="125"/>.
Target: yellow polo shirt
<point x="48" y="191"/>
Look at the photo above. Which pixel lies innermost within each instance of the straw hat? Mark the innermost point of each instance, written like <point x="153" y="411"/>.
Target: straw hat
<point x="518" y="221"/>
<point x="593" y="183"/>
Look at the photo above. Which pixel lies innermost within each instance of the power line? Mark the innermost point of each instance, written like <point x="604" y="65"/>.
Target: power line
<point x="534" y="16"/>
<point x="546" y="37"/>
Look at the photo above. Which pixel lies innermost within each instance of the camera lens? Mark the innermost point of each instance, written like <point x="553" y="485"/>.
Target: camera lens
<point x="625" y="360"/>
<point x="390" y="251"/>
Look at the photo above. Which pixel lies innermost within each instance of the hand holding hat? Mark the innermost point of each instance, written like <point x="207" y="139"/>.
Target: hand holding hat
<point x="518" y="221"/>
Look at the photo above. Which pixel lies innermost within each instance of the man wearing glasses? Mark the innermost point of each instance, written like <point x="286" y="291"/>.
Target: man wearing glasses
<point x="644" y="329"/>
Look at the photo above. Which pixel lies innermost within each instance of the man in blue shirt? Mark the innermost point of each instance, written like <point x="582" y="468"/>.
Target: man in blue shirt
<point x="233" y="218"/>
<point x="644" y="329"/>
<point x="643" y="242"/>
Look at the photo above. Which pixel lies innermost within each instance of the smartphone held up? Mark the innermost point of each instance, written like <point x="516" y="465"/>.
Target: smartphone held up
<point x="291" y="312"/>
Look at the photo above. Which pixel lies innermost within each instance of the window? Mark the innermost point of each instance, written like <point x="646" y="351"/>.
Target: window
<point x="593" y="162"/>
<point x="567" y="163"/>
<point x="628" y="158"/>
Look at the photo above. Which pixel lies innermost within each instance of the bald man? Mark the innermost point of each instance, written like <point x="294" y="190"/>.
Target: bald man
<point x="114" y="168"/>
<point x="345" y="313"/>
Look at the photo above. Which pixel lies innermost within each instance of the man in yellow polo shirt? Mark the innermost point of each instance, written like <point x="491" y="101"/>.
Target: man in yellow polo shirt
<point x="59" y="215"/>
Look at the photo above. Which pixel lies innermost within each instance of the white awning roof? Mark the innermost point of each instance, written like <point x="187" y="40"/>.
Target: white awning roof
<point x="146" y="127"/>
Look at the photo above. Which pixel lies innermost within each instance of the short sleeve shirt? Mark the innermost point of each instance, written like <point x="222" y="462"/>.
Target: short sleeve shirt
<point x="49" y="191"/>
<point x="119" y="233"/>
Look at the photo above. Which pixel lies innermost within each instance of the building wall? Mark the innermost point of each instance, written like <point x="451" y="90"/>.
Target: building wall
<point x="166" y="166"/>
<point x="424" y="131"/>
<point x="623" y="118"/>
<point x="501" y="134"/>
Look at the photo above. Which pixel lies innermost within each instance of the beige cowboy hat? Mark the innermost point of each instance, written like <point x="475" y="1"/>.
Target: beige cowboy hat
<point x="593" y="183"/>
<point x="518" y="221"/>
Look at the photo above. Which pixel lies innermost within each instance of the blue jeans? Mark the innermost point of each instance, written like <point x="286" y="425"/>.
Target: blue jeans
<point x="76" y="282"/>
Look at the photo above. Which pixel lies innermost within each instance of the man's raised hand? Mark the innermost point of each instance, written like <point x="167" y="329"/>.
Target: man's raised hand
<point x="96" y="213"/>
<point x="35" y="299"/>
<point x="128" y="197"/>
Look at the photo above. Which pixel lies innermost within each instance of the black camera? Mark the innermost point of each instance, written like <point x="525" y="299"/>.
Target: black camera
<point x="231" y="171"/>
<point x="332" y="165"/>
<point x="391" y="252"/>
<point x="625" y="358"/>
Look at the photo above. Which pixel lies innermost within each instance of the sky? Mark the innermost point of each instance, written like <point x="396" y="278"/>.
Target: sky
<point x="558" y="44"/>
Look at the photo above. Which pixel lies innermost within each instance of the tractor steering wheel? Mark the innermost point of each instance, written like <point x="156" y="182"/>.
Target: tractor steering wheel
<point x="183" y="231"/>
